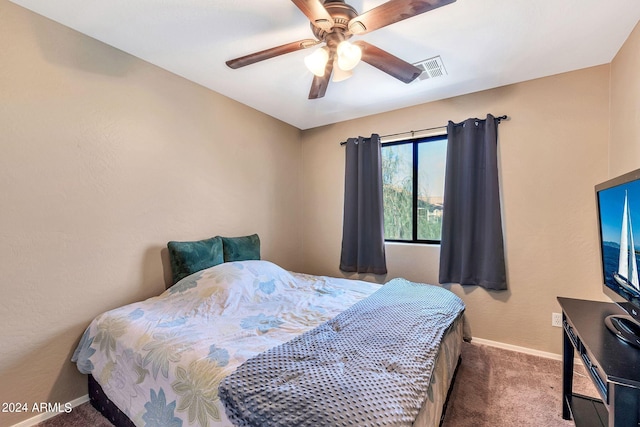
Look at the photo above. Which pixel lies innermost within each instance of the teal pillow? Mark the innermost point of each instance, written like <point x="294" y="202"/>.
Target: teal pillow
<point x="241" y="248"/>
<point x="189" y="257"/>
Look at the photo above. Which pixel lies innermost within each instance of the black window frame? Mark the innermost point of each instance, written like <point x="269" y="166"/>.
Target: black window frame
<point x="414" y="197"/>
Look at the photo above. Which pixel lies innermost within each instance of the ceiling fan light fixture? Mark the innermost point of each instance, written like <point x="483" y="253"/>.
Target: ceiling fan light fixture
<point x="317" y="61"/>
<point x="348" y="55"/>
<point x="339" y="74"/>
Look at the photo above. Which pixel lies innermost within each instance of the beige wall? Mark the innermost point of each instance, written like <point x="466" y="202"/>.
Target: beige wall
<point x="552" y="151"/>
<point x="103" y="159"/>
<point x="624" y="151"/>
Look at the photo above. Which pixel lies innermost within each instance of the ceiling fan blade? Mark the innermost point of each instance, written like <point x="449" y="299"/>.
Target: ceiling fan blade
<point x="384" y="61"/>
<point x="252" y="58"/>
<point x="320" y="84"/>
<point x="315" y="11"/>
<point x="391" y="12"/>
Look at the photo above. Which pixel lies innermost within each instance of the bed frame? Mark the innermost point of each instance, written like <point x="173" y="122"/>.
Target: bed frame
<point x="106" y="407"/>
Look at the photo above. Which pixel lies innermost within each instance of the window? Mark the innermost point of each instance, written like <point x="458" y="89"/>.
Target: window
<point x="413" y="189"/>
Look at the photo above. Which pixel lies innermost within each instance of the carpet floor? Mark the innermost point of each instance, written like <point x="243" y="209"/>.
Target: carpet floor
<point x="496" y="387"/>
<point x="493" y="388"/>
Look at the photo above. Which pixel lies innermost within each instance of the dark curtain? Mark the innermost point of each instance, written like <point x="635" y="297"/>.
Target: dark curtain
<point x="472" y="248"/>
<point x="363" y="224"/>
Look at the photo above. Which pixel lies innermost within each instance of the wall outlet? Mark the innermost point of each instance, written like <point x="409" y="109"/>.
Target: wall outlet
<point x="556" y="319"/>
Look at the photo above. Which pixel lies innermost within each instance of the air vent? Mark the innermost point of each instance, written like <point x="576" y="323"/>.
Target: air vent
<point x="431" y="68"/>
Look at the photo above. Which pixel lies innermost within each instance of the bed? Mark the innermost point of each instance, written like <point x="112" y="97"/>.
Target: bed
<point x="165" y="361"/>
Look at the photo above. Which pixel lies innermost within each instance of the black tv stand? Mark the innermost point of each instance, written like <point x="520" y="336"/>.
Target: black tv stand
<point x="613" y="366"/>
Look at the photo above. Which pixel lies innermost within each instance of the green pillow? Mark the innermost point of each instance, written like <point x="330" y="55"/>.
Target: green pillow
<point x="189" y="257"/>
<point x="241" y="248"/>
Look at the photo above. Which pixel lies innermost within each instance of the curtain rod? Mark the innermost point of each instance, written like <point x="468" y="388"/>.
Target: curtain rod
<point x="412" y="132"/>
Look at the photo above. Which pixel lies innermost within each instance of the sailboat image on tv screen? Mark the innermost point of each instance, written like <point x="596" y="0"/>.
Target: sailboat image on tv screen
<point x="627" y="274"/>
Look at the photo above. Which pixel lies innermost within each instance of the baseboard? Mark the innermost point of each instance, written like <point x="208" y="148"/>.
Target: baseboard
<point x="519" y="349"/>
<point x="46" y="415"/>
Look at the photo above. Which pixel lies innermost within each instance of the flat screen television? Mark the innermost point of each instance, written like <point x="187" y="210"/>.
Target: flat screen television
<point x="618" y="202"/>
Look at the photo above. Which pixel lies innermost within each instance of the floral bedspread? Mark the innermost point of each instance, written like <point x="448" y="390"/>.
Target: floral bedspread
<point x="161" y="360"/>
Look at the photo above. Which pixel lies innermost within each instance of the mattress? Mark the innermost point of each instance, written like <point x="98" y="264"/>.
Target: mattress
<point x="160" y="361"/>
<point x="433" y="408"/>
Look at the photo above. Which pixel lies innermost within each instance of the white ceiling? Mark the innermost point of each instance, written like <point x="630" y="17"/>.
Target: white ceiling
<point x="483" y="44"/>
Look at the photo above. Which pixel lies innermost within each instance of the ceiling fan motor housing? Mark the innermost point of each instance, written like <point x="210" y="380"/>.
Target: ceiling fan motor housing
<point x="341" y="13"/>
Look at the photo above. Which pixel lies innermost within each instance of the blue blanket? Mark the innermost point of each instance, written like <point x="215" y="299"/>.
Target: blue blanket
<point x="370" y="365"/>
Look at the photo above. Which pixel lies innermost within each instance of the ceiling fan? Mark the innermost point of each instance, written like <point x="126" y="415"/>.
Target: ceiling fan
<point x="333" y="22"/>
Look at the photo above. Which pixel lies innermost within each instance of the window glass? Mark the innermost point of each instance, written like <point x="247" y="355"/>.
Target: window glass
<point x="413" y="189"/>
<point x="431" y="163"/>
<point x="397" y="181"/>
